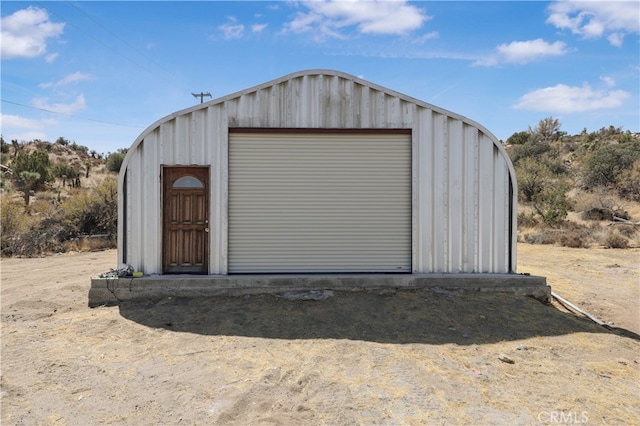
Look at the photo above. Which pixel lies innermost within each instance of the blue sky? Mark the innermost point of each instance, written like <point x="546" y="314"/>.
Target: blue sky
<point x="99" y="73"/>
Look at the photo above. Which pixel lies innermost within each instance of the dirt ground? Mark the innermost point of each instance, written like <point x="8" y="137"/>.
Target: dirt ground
<point x="410" y="357"/>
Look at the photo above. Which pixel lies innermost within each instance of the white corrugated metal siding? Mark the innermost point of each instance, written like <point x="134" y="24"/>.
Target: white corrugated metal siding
<point x="463" y="185"/>
<point x="317" y="202"/>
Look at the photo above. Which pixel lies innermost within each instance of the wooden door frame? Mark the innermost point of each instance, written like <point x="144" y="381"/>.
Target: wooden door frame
<point x="204" y="172"/>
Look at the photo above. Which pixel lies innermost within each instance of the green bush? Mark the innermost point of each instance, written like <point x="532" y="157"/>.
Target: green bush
<point x="115" y="159"/>
<point x="36" y="162"/>
<point x="628" y="185"/>
<point x="529" y="149"/>
<point x="518" y="138"/>
<point x="553" y="205"/>
<point x="605" y="165"/>
<point x="65" y="172"/>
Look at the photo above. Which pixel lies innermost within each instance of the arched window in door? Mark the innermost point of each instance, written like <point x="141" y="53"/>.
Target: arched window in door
<point x="187" y="182"/>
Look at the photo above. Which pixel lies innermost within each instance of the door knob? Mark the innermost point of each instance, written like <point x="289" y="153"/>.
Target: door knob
<point x="206" y="230"/>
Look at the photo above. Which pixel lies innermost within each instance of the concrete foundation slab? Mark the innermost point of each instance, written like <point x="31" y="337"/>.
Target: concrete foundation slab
<point x="111" y="291"/>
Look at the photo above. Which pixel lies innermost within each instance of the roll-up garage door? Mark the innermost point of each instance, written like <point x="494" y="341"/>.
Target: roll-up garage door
<point x="319" y="202"/>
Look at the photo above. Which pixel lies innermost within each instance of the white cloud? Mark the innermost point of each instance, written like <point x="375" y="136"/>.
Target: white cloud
<point x="232" y="30"/>
<point x="24" y="129"/>
<point x="329" y="17"/>
<point x="16" y="121"/>
<point x="568" y="99"/>
<point x="616" y="39"/>
<point x="68" y="79"/>
<point x="610" y="82"/>
<point x="61" y="108"/>
<point x="24" y="33"/>
<point x="257" y="28"/>
<point x="24" y="136"/>
<point x="426" y="37"/>
<point x="595" y="19"/>
<point x="522" y="52"/>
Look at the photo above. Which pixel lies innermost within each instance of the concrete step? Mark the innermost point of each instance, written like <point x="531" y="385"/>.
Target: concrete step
<point x="111" y="291"/>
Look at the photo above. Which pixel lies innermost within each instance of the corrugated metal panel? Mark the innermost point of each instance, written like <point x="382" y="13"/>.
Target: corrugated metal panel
<point x="463" y="184"/>
<point x="319" y="203"/>
<point x="462" y="192"/>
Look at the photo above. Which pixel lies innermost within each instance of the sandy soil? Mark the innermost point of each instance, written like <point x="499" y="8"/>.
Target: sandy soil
<point x="410" y="357"/>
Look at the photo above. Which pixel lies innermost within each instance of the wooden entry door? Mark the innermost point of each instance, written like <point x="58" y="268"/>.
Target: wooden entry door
<point x="185" y="248"/>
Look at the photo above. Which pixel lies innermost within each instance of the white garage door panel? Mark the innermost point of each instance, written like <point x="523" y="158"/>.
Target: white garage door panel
<point x="319" y="202"/>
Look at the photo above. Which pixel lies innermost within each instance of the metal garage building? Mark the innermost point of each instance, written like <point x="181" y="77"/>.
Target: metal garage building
<point x="317" y="172"/>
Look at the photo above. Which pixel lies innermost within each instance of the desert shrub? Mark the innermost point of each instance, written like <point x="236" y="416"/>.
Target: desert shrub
<point x="604" y="213"/>
<point x="94" y="212"/>
<point x="79" y="148"/>
<point x="606" y="164"/>
<point x="553" y="205"/>
<point x="569" y="146"/>
<point x="518" y="138"/>
<point x="33" y="231"/>
<point x="45" y="236"/>
<point x="533" y="178"/>
<point x="527" y="220"/>
<point x="573" y="239"/>
<point x="115" y="159"/>
<point x="627" y="231"/>
<point x="13" y="221"/>
<point x="545" y="236"/>
<point x="616" y="241"/>
<point x="628" y="185"/>
<point x="44" y="207"/>
<point x="65" y="172"/>
<point x="554" y="164"/>
<point x="4" y="150"/>
<point x="548" y="128"/>
<point x="529" y="149"/>
<point x="55" y="227"/>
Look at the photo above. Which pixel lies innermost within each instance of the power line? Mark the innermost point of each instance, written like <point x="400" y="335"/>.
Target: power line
<point x="97" y="40"/>
<point x="138" y="51"/>
<point x="71" y="115"/>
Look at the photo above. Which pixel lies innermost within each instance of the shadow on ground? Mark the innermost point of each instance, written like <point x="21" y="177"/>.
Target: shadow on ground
<point x="406" y="316"/>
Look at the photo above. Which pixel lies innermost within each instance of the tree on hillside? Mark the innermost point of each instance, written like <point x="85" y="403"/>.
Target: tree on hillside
<point x="548" y="128"/>
<point x="29" y="181"/>
<point x="37" y="162"/>
<point x="518" y="138"/>
<point x="65" y="172"/>
<point x="62" y="141"/>
<point x="533" y="178"/>
<point x="16" y="147"/>
<point x="553" y="205"/>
